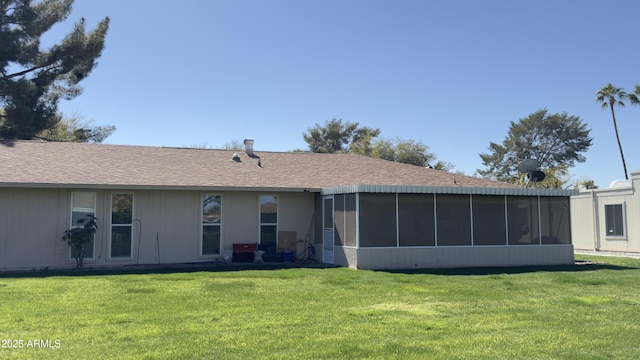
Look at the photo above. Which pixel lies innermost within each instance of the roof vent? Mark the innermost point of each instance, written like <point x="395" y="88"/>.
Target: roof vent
<point x="248" y="146"/>
<point x="236" y="157"/>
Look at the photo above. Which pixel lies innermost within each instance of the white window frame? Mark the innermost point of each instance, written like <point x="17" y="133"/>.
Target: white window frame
<point x="623" y="206"/>
<point x="203" y="224"/>
<point x="111" y="226"/>
<point x="72" y="225"/>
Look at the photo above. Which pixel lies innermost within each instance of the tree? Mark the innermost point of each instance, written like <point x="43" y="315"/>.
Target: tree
<point x="336" y="137"/>
<point x="74" y="130"/>
<point x="403" y="151"/>
<point x="556" y="140"/>
<point x="32" y="80"/>
<point x="588" y="184"/>
<point x="609" y="96"/>
<point x="234" y="144"/>
<point x="362" y="141"/>
<point x="634" y="97"/>
<point x="78" y="237"/>
<point x="555" y="178"/>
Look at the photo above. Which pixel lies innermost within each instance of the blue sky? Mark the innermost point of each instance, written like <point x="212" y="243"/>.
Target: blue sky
<point x="452" y="74"/>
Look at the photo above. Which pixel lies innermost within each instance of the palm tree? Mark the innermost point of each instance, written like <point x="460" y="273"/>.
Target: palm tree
<point x="634" y="98"/>
<point x="609" y="96"/>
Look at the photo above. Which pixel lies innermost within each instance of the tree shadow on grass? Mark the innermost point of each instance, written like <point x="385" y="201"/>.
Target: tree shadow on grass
<point x="160" y="269"/>
<point x="578" y="266"/>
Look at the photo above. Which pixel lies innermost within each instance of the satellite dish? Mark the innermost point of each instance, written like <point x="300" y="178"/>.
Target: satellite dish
<point x="536" y="176"/>
<point x="530" y="167"/>
<point x="527" y="166"/>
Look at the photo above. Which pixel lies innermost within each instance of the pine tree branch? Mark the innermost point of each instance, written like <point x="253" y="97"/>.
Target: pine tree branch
<point x="24" y="72"/>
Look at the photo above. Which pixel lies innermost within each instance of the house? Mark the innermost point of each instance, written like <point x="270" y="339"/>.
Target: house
<point x="162" y="205"/>
<point x="607" y="219"/>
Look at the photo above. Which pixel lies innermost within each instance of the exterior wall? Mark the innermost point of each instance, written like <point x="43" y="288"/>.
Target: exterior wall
<point x="589" y="223"/>
<point x="583" y="221"/>
<point x="296" y="213"/>
<point x="166" y="225"/>
<point x="167" y="229"/>
<point x="31" y="226"/>
<point x="467" y="256"/>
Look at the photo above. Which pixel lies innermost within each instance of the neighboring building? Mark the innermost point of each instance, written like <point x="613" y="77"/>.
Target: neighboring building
<point x="607" y="219"/>
<point x="158" y="205"/>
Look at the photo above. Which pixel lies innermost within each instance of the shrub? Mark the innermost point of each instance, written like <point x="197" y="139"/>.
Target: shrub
<point x="79" y="237"/>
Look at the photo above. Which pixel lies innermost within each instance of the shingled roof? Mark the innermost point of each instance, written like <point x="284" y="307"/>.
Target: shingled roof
<point x="57" y="164"/>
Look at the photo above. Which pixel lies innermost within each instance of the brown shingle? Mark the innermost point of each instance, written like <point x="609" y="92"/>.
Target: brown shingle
<point x="77" y="164"/>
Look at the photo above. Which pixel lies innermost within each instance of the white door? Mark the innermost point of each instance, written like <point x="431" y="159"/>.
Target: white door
<point x="327" y="230"/>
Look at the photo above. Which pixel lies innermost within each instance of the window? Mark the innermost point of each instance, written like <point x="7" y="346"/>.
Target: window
<point x="121" y="225"/>
<point x="350" y="219"/>
<point x="522" y="215"/>
<point x="318" y="224"/>
<point x="269" y="221"/>
<point x="453" y="214"/>
<point x="338" y="203"/>
<point x="489" y="220"/>
<point x="614" y="220"/>
<point x="83" y="204"/>
<point x="416" y="220"/>
<point x="555" y="220"/>
<point x="211" y="212"/>
<point x="378" y="220"/>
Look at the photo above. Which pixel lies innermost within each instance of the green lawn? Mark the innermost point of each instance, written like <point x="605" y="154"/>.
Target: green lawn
<point x="575" y="312"/>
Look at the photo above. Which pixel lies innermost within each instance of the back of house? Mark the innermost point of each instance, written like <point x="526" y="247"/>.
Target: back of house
<point x="163" y="205"/>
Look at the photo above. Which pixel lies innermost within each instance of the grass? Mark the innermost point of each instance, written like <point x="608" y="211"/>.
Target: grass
<point x="589" y="311"/>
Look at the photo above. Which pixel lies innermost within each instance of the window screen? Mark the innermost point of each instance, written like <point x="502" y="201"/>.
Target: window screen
<point x="555" y="220"/>
<point x="416" y="220"/>
<point x="453" y="214"/>
<point x="522" y="215"/>
<point x="377" y="220"/>
<point x="338" y="205"/>
<point x="350" y="219"/>
<point x="489" y="220"/>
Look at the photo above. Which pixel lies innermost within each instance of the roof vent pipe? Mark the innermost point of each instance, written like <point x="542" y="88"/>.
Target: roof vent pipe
<point x="248" y="146"/>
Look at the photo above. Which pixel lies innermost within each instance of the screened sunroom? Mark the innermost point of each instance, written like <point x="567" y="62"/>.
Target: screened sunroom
<point x="387" y="227"/>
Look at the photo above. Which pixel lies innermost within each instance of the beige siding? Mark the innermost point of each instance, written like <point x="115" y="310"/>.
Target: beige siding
<point x="241" y="216"/>
<point x="452" y="257"/>
<point x="171" y="225"/>
<point x="166" y="226"/>
<point x="631" y="242"/>
<point x="296" y="211"/>
<point x="589" y="224"/>
<point x="240" y="219"/>
<point x="583" y="231"/>
<point x="32" y="225"/>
